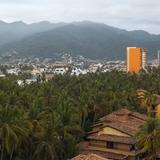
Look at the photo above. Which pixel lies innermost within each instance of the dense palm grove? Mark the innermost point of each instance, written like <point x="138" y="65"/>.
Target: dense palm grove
<point x="47" y="120"/>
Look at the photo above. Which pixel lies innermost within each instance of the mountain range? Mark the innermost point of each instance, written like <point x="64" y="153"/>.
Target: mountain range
<point x="89" y="39"/>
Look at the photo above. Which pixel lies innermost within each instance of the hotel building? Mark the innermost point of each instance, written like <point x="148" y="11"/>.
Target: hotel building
<point x="136" y="59"/>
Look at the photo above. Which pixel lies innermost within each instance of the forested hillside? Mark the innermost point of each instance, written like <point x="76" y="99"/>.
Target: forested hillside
<point x="11" y="32"/>
<point x="91" y="40"/>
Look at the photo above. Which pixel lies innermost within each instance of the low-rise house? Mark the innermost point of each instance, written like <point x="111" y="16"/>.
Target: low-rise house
<point x="27" y="81"/>
<point x="15" y="71"/>
<point x="20" y="82"/>
<point x="94" y="67"/>
<point x="113" y="136"/>
<point x="30" y="81"/>
<point x="60" y="70"/>
<point x="2" y="75"/>
<point x="36" y="72"/>
<point x="78" y="71"/>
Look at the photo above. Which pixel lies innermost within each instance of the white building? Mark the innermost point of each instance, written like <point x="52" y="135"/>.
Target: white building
<point x="15" y="71"/>
<point x="26" y="81"/>
<point x="94" y="67"/>
<point x="2" y="75"/>
<point x="78" y="71"/>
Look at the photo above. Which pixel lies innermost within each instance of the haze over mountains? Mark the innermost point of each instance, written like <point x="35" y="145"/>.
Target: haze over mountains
<point x="92" y="40"/>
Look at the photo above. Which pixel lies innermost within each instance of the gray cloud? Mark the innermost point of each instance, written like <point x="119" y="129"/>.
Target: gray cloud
<point x="127" y="14"/>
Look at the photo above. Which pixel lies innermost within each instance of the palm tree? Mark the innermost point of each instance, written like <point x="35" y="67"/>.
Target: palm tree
<point x="48" y="146"/>
<point x="148" y="138"/>
<point x="70" y="128"/>
<point x="12" y="131"/>
<point x="147" y="101"/>
<point x="44" y="150"/>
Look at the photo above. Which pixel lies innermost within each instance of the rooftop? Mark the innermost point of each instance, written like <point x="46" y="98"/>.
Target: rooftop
<point x="123" y="120"/>
<point x="89" y="157"/>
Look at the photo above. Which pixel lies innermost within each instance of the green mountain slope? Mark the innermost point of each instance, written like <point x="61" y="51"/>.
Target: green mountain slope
<point x="88" y="39"/>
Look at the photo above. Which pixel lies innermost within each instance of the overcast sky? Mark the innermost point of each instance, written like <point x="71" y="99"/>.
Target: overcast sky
<point x="127" y="14"/>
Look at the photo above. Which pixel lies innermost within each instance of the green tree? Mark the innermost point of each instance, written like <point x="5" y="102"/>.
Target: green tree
<point x="12" y="131"/>
<point x="148" y="139"/>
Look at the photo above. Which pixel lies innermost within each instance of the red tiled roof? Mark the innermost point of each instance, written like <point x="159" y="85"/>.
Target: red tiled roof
<point x="89" y="157"/>
<point x="106" y="155"/>
<point x="123" y="120"/>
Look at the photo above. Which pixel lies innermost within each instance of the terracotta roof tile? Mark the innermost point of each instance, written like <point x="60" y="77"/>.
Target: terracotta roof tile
<point x="123" y="120"/>
<point x="106" y="155"/>
<point x="89" y="157"/>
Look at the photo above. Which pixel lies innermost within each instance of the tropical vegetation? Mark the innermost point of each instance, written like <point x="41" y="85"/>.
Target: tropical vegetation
<point x="148" y="139"/>
<point x="47" y="120"/>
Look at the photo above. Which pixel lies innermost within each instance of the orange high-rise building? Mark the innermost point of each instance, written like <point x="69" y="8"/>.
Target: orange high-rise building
<point x="136" y="59"/>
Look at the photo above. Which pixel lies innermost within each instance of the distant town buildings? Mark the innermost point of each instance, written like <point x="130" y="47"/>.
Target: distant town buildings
<point x="27" y="81"/>
<point x="144" y="58"/>
<point x="15" y="71"/>
<point x="46" y="68"/>
<point x="136" y="59"/>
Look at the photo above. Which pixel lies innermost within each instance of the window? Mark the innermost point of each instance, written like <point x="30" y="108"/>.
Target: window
<point x="110" y="145"/>
<point x="132" y="148"/>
